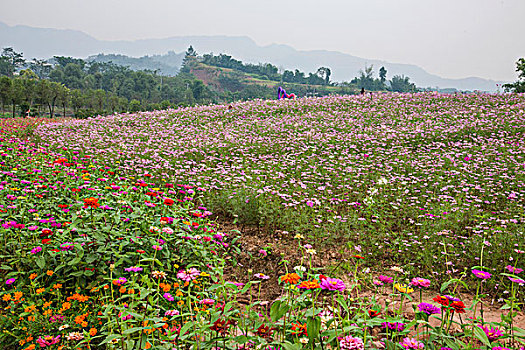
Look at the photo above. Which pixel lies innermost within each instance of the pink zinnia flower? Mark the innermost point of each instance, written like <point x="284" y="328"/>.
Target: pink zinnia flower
<point x="412" y="343"/>
<point x="481" y="274"/>
<point x="385" y="279"/>
<point x="168" y="297"/>
<point x="36" y="250"/>
<point x="47" y="340"/>
<point x="332" y="284"/>
<point x="513" y="269"/>
<point x="351" y="343"/>
<point x="420" y="282"/>
<point x="157" y="247"/>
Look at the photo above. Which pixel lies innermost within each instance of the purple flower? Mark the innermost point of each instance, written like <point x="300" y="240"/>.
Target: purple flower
<point x="332" y="284"/>
<point x="393" y="326"/>
<point x="168" y="297"/>
<point x="429" y="309"/>
<point x="481" y="274"/>
<point x="412" y="343"/>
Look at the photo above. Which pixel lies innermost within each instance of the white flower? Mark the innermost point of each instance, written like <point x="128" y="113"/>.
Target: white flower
<point x="382" y="181"/>
<point x="300" y="268"/>
<point x="311" y="251"/>
<point x="304" y="340"/>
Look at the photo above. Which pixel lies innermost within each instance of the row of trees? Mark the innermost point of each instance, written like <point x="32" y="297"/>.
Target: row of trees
<point x="87" y="88"/>
<point x="265" y="71"/>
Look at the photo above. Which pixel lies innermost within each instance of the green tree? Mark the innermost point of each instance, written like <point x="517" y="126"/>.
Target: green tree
<point x="77" y="100"/>
<point x="324" y="73"/>
<point x="5" y="90"/>
<point x="189" y="59"/>
<point x="382" y="74"/>
<point x="41" y="68"/>
<point x="400" y="83"/>
<point x="16" y="95"/>
<point x="10" y="61"/>
<point x="63" y="98"/>
<point x="518" y="86"/>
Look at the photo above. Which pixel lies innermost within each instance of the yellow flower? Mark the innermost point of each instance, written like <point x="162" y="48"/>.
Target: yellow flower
<point x="403" y="288"/>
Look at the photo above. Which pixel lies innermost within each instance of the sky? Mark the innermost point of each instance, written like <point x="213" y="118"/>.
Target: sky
<point x="450" y="38"/>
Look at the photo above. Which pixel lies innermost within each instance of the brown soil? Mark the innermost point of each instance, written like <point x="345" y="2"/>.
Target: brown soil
<point x="285" y="248"/>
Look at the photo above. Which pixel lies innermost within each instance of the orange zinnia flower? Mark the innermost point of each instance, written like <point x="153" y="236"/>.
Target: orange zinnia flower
<point x="291" y="278"/>
<point x="91" y="202"/>
<point x="92" y="332"/>
<point x="309" y="285"/>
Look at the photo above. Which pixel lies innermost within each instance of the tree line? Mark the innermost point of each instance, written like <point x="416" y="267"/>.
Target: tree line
<point x="88" y="88"/>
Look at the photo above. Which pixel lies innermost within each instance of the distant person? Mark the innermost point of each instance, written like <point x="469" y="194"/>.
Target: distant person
<point x="281" y="94"/>
<point x="362" y="91"/>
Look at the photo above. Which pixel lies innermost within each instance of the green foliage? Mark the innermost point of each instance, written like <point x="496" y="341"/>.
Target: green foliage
<point x="518" y="86"/>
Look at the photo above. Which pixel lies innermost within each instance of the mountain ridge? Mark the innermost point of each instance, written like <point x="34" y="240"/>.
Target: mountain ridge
<point x="48" y="42"/>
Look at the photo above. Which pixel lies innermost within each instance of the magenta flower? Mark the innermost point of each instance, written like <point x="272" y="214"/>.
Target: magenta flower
<point x="332" y="284"/>
<point x="157" y="247"/>
<point x="513" y="269"/>
<point x="10" y="281"/>
<point x="420" y="282"/>
<point x="517" y="280"/>
<point x="261" y="276"/>
<point x="412" y="343"/>
<point x="168" y="297"/>
<point x="207" y="302"/>
<point x="492" y="333"/>
<point x="386" y="279"/>
<point x="36" y="250"/>
<point x="133" y="269"/>
<point x="351" y="343"/>
<point x="48" y="340"/>
<point x="481" y="274"/>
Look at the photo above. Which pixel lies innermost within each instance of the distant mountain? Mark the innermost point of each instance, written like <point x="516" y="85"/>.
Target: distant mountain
<point x="162" y="64"/>
<point x="45" y="43"/>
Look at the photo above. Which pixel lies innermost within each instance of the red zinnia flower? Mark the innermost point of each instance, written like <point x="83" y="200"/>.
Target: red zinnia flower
<point x="373" y="313"/>
<point x="458" y="306"/>
<point x="299" y="329"/>
<point x="46" y="241"/>
<point x="168" y="201"/>
<point x="441" y="300"/>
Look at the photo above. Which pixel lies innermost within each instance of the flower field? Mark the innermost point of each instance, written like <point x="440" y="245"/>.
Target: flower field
<point x="111" y="238"/>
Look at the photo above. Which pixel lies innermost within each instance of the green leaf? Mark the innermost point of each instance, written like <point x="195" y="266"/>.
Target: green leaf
<point x="278" y="310"/>
<point x="313" y="327"/>
<point x="290" y="346"/>
<point x="184" y="329"/>
<point x="41" y="262"/>
<point x="482" y="337"/>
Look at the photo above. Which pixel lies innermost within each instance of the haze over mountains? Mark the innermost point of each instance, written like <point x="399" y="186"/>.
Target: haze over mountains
<point x="168" y="52"/>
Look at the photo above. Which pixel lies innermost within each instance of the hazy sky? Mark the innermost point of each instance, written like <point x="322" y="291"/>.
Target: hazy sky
<point x="451" y="38"/>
